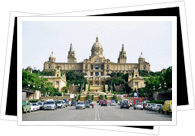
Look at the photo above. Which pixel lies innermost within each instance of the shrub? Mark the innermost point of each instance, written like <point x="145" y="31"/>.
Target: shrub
<point x="92" y="97"/>
<point x="117" y="93"/>
<point x="33" y="100"/>
<point x="101" y="96"/>
<point x="105" y="96"/>
<point x="79" y="97"/>
<point x="88" y="96"/>
<point x="114" y="97"/>
<point x="157" y="101"/>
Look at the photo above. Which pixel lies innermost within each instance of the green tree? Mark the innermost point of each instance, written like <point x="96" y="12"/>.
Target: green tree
<point x="88" y="97"/>
<point x="105" y="96"/>
<point x="101" y="96"/>
<point x="92" y="97"/>
<point x="65" y="89"/>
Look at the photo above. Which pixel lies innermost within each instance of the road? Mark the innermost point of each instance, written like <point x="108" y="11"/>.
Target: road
<point x="109" y="113"/>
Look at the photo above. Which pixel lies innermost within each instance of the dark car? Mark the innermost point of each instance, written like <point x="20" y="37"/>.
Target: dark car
<point x="115" y="100"/>
<point x="104" y="103"/>
<point x="125" y="105"/>
<point x="73" y="103"/>
<point x="100" y="101"/>
<point x="89" y="101"/>
<point x="87" y="105"/>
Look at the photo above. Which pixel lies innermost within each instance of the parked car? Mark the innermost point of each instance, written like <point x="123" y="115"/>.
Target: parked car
<point x="131" y="103"/>
<point x="138" y="106"/>
<point x="125" y="104"/>
<point x="126" y="100"/>
<point x="41" y="105"/>
<point x="155" y="107"/>
<point x="113" y="103"/>
<point x="147" y="105"/>
<point x="66" y="102"/>
<point x="100" y="101"/>
<point x="150" y="106"/>
<point x="160" y="110"/>
<point x="104" y="103"/>
<point x="73" y="103"/>
<point x="167" y="107"/>
<point x="87" y="105"/>
<point x="137" y="100"/>
<point x="26" y="107"/>
<point x="80" y="105"/>
<point x="97" y="101"/>
<point x="144" y="105"/>
<point x="61" y="104"/>
<point x="145" y="101"/>
<point x="50" y="105"/>
<point x="89" y="101"/>
<point x="35" y="106"/>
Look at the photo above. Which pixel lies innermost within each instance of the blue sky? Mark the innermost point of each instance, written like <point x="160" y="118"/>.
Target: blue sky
<point x="40" y="38"/>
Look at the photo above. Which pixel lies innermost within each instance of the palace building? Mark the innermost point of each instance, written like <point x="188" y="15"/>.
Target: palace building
<point x="97" y="67"/>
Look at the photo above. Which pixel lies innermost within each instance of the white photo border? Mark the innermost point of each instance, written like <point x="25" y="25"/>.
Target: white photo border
<point x="105" y="123"/>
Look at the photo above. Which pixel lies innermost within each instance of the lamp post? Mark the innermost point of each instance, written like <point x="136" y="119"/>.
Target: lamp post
<point x="153" y="87"/>
<point x="40" y="87"/>
<point x="33" y="90"/>
<point x="28" y="88"/>
<point x="165" y="85"/>
<point x="159" y="86"/>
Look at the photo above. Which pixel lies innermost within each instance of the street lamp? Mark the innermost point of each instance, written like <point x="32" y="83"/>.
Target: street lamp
<point x="159" y="86"/>
<point x="33" y="90"/>
<point x="154" y="87"/>
<point x="165" y="85"/>
<point x="40" y="87"/>
<point x="28" y="88"/>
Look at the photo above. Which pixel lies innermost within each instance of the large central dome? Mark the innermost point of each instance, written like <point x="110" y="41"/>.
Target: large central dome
<point x="96" y="44"/>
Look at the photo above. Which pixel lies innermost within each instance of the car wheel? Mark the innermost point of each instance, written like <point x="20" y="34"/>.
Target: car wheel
<point x="141" y="109"/>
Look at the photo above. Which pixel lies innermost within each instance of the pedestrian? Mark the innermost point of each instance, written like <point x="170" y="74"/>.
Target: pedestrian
<point x="92" y="104"/>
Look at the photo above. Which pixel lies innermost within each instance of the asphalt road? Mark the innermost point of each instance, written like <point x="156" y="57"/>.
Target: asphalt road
<point x="109" y="113"/>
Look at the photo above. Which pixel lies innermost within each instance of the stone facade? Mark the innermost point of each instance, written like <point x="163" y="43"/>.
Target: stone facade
<point x="57" y="80"/>
<point x="97" y="67"/>
<point x="136" y="81"/>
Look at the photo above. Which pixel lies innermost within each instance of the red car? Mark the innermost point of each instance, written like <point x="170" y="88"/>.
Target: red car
<point x="104" y="103"/>
<point x="137" y="100"/>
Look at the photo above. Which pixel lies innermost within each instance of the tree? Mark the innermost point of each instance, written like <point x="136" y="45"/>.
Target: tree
<point x="65" y="89"/>
<point x="105" y="96"/>
<point x="89" y="87"/>
<point x="101" y="96"/>
<point x="92" y="97"/>
<point x="88" y="97"/>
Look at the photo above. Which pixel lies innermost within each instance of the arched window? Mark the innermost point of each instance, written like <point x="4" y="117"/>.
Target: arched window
<point x="96" y="66"/>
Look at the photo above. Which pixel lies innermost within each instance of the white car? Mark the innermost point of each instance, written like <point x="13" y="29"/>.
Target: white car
<point x="138" y="106"/>
<point x="113" y="103"/>
<point x="156" y="107"/>
<point x="61" y="104"/>
<point x="35" y="106"/>
<point x="150" y="106"/>
<point x="80" y="105"/>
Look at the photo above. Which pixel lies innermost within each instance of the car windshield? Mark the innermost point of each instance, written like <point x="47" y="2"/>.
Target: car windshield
<point x="139" y="103"/>
<point x="113" y="101"/>
<point x="59" y="102"/>
<point x="40" y="103"/>
<point x="80" y="103"/>
<point x="34" y="104"/>
<point x="49" y="102"/>
<point x="159" y="105"/>
<point x="86" y="102"/>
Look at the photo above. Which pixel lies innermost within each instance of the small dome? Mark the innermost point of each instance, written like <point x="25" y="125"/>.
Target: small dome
<point x="52" y="56"/>
<point x="97" y="44"/>
<point x="141" y="56"/>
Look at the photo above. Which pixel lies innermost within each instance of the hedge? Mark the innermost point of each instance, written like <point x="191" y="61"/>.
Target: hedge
<point x="157" y="101"/>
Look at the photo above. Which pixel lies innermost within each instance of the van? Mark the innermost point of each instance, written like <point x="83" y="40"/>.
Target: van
<point x="167" y="107"/>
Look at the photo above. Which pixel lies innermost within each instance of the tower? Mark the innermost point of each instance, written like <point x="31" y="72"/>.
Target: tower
<point x="141" y="58"/>
<point x="122" y="55"/>
<point x="97" y="49"/>
<point x="57" y="72"/>
<point x="71" y="55"/>
<point x="52" y="58"/>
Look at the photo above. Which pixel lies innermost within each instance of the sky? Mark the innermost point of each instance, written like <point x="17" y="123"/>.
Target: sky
<point x="153" y="39"/>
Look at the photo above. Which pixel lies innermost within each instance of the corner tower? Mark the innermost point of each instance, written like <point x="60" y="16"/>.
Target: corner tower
<point x="71" y="55"/>
<point x="122" y="55"/>
<point x="52" y="58"/>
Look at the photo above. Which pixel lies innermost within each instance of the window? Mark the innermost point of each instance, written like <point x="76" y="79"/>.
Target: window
<point x="96" y="73"/>
<point x="102" y="73"/>
<point x="136" y="83"/>
<point x="96" y="66"/>
<point x="85" y="67"/>
<point x="107" y="67"/>
<point x="57" y="82"/>
<point x="91" y="67"/>
<point x="97" y="83"/>
<point x="57" y="75"/>
<point x="91" y="73"/>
